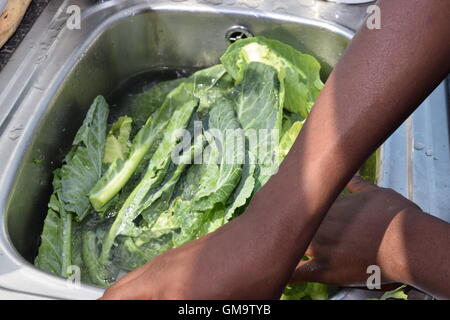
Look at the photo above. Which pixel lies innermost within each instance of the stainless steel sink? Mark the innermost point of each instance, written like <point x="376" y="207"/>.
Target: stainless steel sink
<point x="48" y="86"/>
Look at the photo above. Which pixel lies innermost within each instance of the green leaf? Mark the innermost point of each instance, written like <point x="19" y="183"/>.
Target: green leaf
<point x="135" y="252"/>
<point x="117" y="141"/>
<point x="148" y="102"/>
<point x="54" y="254"/>
<point x="189" y="222"/>
<point x="305" y="291"/>
<point x="299" y="73"/>
<point x="166" y="190"/>
<point x="209" y="85"/>
<point x="55" y="250"/>
<point x="229" y="136"/>
<point x="204" y="87"/>
<point x="156" y="171"/>
<point x="288" y="139"/>
<point x="83" y="165"/>
<point x="182" y="217"/>
<point x="149" y="203"/>
<point x="369" y="170"/>
<point x="98" y="273"/>
<point x="260" y="114"/>
<point x="398" y="294"/>
<point x="119" y="172"/>
<point x="80" y="169"/>
<point x="212" y="220"/>
<point x="244" y="189"/>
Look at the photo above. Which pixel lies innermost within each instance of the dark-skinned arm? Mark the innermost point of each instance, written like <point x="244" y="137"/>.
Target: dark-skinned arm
<point x="384" y="75"/>
<point x="378" y="226"/>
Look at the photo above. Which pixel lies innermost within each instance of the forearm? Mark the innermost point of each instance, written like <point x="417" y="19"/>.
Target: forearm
<point x="417" y="246"/>
<point x="381" y="79"/>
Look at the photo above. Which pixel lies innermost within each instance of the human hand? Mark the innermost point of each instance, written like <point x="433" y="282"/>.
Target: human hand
<point x="221" y="265"/>
<point x="359" y="230"/>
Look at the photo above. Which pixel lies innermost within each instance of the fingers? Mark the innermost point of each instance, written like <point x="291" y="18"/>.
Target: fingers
<point x="358" y="184"/>
<point x="132" y="290"/>
<point x="314" y="270"/>
<point x="130" y="276"/>
<point x="119" y="290"/>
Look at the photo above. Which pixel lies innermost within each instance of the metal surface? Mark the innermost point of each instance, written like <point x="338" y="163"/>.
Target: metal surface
<point x="56" y="72"/>
<point x="236" y="33"/>
<point x="416" y="158"/>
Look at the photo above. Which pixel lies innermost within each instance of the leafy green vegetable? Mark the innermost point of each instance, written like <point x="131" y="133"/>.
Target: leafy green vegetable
<point x="83" y="164"/>
<point x="398" y="294"/>
<point x="157" y="168"/>
<point x="189" y="160"/>
<point x="260" y="113"/>
<point x="97" y="272"/>
<point x="135" y="252"/>
<point x="121" y="171"/>
<point x="117" y="142"/>
<point x="209" y="85"/>
<point x="81" y="168"/>
<point x="306" y="291"/>
<point x="55" y="250"/>
<point x="298" y="73"/>
<point x="229" y="135"/>
<point x="288" y="139"/>
<point x="369" y="169"/>
<point x="244" y="189"/>
<point x="151" y="100"/>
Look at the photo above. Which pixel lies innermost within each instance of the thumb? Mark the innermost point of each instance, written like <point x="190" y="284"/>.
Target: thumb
<point x="358" y="184"/>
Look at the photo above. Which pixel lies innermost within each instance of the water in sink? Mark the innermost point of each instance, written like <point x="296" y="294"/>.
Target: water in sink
<point x="121" y="98"/>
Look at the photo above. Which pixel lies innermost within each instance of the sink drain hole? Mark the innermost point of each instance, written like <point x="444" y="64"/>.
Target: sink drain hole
<point x="237" y="33"/>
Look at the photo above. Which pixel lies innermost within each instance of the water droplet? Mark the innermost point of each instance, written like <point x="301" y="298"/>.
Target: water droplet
<point x="419" y="146"/>
<point x="15" y="132"/>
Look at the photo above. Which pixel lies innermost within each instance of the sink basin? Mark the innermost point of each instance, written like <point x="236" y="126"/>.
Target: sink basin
<point x="118" y="41"/>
